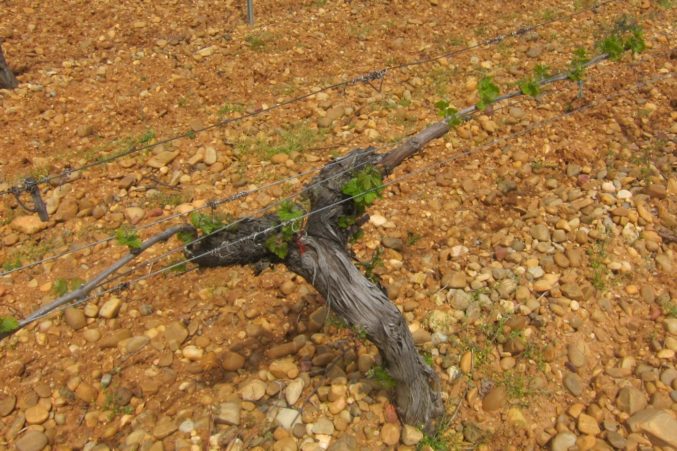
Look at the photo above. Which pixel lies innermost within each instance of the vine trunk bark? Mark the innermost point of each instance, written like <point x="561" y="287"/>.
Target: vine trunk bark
<point x="7" y="78"/>
<point x="320" y="254"/>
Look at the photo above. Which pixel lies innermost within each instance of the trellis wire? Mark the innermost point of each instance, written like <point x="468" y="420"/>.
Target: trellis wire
<point x="210" y="204"/>
<point x="423" y="169"/>
<point x="367" y="78"/>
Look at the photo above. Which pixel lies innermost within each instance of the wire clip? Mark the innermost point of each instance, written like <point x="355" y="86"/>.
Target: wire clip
<point x="30" y="185"/>
<point x="369" y="77"/>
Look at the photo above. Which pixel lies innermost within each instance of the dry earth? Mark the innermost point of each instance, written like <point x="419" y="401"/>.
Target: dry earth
<point x="538" y="275"/>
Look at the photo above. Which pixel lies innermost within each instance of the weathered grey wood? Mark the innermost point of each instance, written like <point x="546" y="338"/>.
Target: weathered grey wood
<point x="93" y="283"/>
<point x="320" y="256"/>
<point x="7" y="78"/>
<point x="351" y="296"/>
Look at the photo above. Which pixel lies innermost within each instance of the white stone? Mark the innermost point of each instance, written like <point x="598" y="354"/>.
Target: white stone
<point x="377" y="220"/>
<point x="287" y="418"/>
<point x="192" y="352"/>
<point x="293" y="391"/>
<point x="110" y="308"/>
<point x="624" y="194"/>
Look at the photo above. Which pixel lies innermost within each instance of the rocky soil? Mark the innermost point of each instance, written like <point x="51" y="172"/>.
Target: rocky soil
<point x="537" y="276"/>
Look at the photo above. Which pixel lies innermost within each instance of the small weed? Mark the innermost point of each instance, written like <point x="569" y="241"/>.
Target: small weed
<point x="360" y="332"/>
<point x="535" y="353"/>
<point x="371" y="265"/>
<point x="294" y="139"/>
<point x="428" y="358"/>
<point x="335" y="321"/>
<point x="596" y="255"/>
<point x="163" y="199"/>
<point x="147" y="137"/>
<point x="537" y="165"/>
<point x="228" y="108"/>
<point x="548" y="15"/>
<point x="445" y="438"/>
<point x="258" y="41"/>
<point x="582" y="4"/>
<point x="516" y="386"/>
<point x="412" y="238"/>
<point x="27" y="251"/>
<point x="113" y="404"/>
<point x="177" y="267"/>
<point x="669" y="308"/>
<point x="666" y="4"/>
<point x="117" y="147"/>
<point x="381" y="375"/>
<point x="361" y="32"/>
<point x="442" y="78"/>
<point x="475" y="294"/>
<point x="480" y="354"/>
<point x="456" y="41"/>
<point x="13" y="263"/>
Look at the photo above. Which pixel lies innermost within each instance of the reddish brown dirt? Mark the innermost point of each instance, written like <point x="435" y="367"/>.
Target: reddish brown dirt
<point x="98" y="76"/>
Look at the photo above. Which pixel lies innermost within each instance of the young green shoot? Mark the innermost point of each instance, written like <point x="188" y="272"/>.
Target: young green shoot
<point x="531" y="86"/>
<point x="488" y="93"/>
<point x="365" y="187"/>
<point x="8" y="324"/>
<point x="128" y="237"/>
<point x="289" y="215"/>
<point x="205" y="223"/>
<point x="577" y="68"/>
<point x="449" y="113"/>
<point x="63" y="286"/>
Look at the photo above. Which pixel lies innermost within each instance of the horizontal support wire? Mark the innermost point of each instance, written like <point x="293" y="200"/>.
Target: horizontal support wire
<point x="258" y="212"/>
<point x="535" y="126"/>
<point x="367" y="78"/>
<point x="210" y="204"/>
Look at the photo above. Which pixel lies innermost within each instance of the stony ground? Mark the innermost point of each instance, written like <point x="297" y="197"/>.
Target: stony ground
<point x="537" y="276"/>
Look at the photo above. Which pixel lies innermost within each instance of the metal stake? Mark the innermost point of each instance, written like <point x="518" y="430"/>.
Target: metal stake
<point x="250" y="12"/>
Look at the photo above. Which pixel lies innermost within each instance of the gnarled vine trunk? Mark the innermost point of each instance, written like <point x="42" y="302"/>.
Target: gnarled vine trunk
<point x="7" y="78"/>
<point x="319" y="253"/>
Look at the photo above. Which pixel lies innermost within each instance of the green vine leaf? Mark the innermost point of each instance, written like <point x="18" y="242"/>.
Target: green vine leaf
<point x="488" y="92"/>
<point x="577" y="65"/>
<point x="128" y="237"/>
<point x="449" y="113"/>
<point x="278" y="245"/>
<point x="205" y="223"/>
<point x="529" y="87"/>
<point x="186" y="237"/>
<point x="365" y="187"/>
<point x="346" y="221"/>
<point x="291" y="216"/>
<point x="8" y="324"/>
